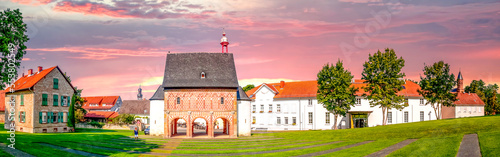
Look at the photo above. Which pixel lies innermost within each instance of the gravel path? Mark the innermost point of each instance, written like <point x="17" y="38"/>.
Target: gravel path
<point x="71" y="150"/>
<point x="14" y="152"/>
<point x="334" y="150"/>
<point x="390" y="149"/>
<point x="469" y="147"/>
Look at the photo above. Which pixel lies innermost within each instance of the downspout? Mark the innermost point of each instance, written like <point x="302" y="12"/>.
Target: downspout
<point x="300" y="118"/>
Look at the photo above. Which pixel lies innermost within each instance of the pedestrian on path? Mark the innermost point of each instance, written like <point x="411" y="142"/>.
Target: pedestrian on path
<point x="136" y="133"/>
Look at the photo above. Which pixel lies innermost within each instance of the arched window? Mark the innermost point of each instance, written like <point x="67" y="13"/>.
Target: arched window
<point x="222" y="100"/>
<point x="178" y="100"/>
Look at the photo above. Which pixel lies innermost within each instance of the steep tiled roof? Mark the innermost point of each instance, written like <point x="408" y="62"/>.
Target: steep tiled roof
<point x="110" y="101"/>
<point x="135" y="107"/>
<point x="310" y="88"/>
<point x="158" y="95"/>
<point x="241" y="95"/>
<point x="183" y="70"/>
<point x="28" y="81"/>
<point x="468" y="99"/>
<point x="101" y="114"/>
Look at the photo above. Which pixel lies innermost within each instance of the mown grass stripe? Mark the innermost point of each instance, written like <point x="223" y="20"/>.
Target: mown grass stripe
<point x="390" y="149"/>
<point x="334" y="150"/>
<point x="71" y="150"/>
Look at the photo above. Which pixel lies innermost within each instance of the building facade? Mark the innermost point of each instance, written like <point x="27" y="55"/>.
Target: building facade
<point x="467" y="104"/>
<point x="200" y="86"/>
<point x="139" y="108"/>
<point x="41" y="102"/>
<point x="293" y="106"/>
<point x="101" y="108"/>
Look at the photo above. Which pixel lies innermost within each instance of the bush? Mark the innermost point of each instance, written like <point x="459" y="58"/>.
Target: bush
<point x="96" y="124"/>
<point x="123" y="119"/>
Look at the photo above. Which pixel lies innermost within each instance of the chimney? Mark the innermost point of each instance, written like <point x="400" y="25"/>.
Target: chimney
<point x="30" y="72"/>
<point x="40" y="68"/>
<point x="23" y="74"/>
<point x="282" y="84"/>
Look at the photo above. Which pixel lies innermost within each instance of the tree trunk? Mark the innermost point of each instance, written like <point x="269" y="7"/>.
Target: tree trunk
<point x="384" y="116"/>
<point x="436" y="110"/>
<point x="335" y="123"/>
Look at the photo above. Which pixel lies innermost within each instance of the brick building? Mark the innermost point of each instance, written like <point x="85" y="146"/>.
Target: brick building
<point x="41" y="100"/>
<point x="467" y="104"/>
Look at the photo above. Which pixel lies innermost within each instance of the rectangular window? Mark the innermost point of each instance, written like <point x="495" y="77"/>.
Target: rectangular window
<point x="389" y="117"/>
<point x="261" y="108"/>
<point x="327" y="117"/>
<point x="63" y="100"/>
<point x="65" y="117"/>
<point x="310" y="114"/>
<point x="278" y="108"/>
<point x="44" y="117"/>
<point x="286" y="120"/>
<point x="44" y="99"/>
<point x="56" y="100"/>
<point x="310" y="102"/>
<point x="56" y="83"/>
<point x="22" y="116"/>
<point x="254" y="108"/>
<point x="358" y="102"/>
<point x="294" y="120"/>
<point x="422" y="102"/>
<point x="270" y="107"/>
<point x="22" y="99"/>
<point x="421" y="115"/>
<point x="405" y="117"/>
<point x="253" y="119"/>
<point x="278" y="120"/>
<point x="55" y="115"/>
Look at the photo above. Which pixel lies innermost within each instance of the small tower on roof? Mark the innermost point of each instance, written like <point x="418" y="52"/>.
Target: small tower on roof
<point x="460" y="82"/>
<point x="224" y="42"/>
<point x="139" y="95"/>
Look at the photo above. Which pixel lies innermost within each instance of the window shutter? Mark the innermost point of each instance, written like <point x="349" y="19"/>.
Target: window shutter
<point x="40" y="119"/>
<point x="22" y="99"/>
<point x="50" y="117"/>
<point x="69" y="100"/>
<point x="62" y="100"/>
<point x="19" y="116"/>
<point x="24" y="116"/>
<point x="59" y="119"/>
<point x="55" y="101"/>
<point x="44" y="99"/>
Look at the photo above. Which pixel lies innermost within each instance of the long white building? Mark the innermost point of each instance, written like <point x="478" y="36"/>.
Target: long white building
<point x="293" y="106"/>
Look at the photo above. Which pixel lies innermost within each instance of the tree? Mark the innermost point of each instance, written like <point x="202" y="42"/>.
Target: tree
<point x="71" y="112"/>
<point x="436" y="86"/>
<point x="75" y="111"/>
<point x="335" y="91"/>
<point x="12" y="38"/>
<point x="383" y="74"/>
<point x="487" y="93"/>
<point x="123" y="119"/>
<point x="248" y="87"/>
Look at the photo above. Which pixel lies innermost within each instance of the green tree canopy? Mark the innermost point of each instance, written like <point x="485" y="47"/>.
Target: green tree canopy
<point x="487" y="93"/>
<point x="248" y="87"/>
<point x="436" y="86"/>
<point x="383" y="74"/>
<point x="335" y="91"/>
<point x="12" y="39"/>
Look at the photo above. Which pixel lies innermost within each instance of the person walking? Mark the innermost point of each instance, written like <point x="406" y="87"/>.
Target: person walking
<point x="136" y="133"/>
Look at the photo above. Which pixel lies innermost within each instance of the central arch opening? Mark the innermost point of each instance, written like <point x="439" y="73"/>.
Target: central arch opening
<point x="200" y="128"/>
<point x="221" y="127"/>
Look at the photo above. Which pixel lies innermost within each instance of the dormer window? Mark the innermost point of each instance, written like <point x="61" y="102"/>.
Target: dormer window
<point x="202" y="75"/>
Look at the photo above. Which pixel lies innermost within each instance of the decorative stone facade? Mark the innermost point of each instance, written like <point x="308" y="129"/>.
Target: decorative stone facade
<point x="208" y="104"/>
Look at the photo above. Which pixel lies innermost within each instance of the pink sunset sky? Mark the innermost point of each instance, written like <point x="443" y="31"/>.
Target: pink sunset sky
<point x="110" y="48"/>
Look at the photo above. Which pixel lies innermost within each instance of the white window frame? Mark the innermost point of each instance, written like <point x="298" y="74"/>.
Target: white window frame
<point x="327" y="117"/>
<point x="44" y="117"/>
<point x="405" y="117"/>
<point x="286" y="120"/>
<point x="358" y="101"/>
<point x="310" y="116"/>
<point x="262" y="108"/>
<point x="422" y="116"/>
<point x="389" y="117"/>
<point x="422" y="102"/>
<point x="254" y="108"/>
<point x="278" y="120"/>
<point x="270" y="107"/>
<point x="278" y="108"/>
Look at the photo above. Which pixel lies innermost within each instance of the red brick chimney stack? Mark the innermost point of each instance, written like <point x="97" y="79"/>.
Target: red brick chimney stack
<point x="282" y="84"/>
<point x="40" y="68"/>
<point x="30" y="72"/>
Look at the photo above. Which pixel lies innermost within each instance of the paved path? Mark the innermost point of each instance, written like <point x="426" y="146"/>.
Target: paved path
<point x="246" y="153"/>
<point x="240" y="148"/>
<point x="71" y="150"/>
<point x="469" y="147"/>
<point x="334" y="150"/>
<point x="14" y="152"/>
<point x="390" y="149"/>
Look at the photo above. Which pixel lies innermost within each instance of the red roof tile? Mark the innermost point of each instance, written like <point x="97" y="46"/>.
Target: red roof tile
<point x="110" y="101"/>
<point x="468" y="99"/>
<point x="27" y="81"/>
<point x="2" y="100"/>
<point x="310" y="88"/>
<point x="101" y="114"/>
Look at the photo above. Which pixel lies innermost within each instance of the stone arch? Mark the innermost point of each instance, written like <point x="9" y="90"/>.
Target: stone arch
<point x="173" y="126"/>
<point x="193" y="126"/>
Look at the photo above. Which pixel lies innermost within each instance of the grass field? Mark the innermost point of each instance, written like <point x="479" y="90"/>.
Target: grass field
<point x="435" y="138"/>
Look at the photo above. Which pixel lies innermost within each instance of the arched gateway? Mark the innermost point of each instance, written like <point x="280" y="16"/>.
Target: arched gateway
<point x="202" y="85"/>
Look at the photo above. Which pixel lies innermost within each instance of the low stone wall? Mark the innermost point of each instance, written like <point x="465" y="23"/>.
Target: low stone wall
<point x="107" y="126"/>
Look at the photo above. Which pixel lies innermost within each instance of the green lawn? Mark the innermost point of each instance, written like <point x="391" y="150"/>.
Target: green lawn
<point x="435" y="138"/>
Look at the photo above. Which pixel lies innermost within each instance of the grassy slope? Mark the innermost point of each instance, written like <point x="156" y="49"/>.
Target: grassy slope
<point x="437" y="138"/>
